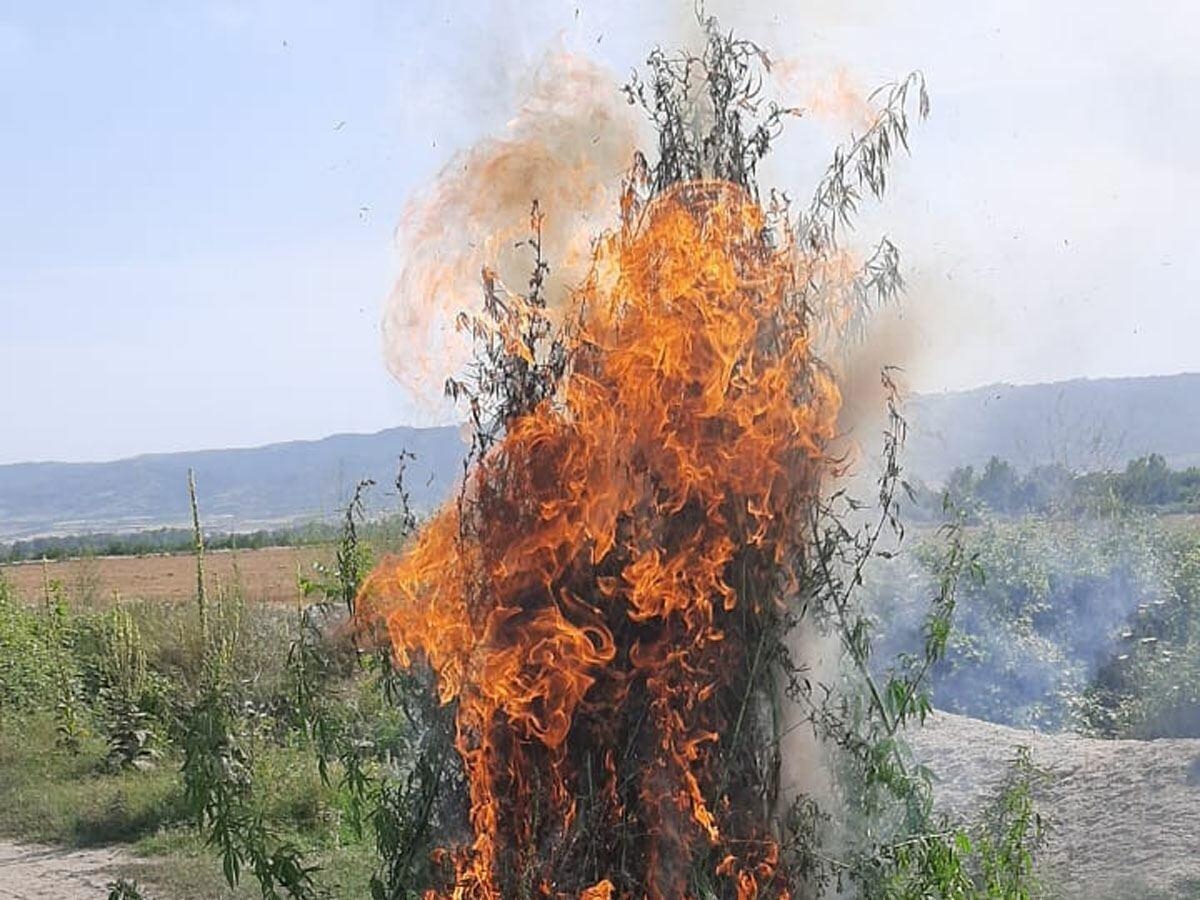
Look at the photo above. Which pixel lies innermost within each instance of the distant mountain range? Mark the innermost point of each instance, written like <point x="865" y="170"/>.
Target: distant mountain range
<point x="1082" y="424"/>
<point x="241" y="489"/>
<point x="1088" y="425"/>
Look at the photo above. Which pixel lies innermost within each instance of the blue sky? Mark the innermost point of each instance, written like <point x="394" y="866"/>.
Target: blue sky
<point x="197" y="199"/>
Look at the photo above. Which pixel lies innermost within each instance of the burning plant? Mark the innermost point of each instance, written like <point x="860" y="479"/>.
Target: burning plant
<point x="605" y="606"/>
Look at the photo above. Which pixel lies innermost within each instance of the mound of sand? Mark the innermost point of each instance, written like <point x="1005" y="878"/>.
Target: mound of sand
<point x="1124" y="816"/>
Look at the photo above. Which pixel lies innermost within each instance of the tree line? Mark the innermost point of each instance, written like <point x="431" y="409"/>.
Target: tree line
<point x="164" y="540"/>
<point x="1147" y="482"/>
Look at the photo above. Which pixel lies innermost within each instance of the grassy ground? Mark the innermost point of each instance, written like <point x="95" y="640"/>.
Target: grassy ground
<point x="75" y="798"/>
<point x="49" y="795"/>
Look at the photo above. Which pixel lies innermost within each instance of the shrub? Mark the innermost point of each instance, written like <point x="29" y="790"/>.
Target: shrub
<point x="34" y="653"/>
<point x="1031" y="633"/>
<point x="123" y="889"/>
<point x="123" y="670"/>
<point x="1149" y="686"/>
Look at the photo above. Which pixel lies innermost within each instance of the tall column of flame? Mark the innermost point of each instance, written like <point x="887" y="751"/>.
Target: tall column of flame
<point x="590" y="623"/>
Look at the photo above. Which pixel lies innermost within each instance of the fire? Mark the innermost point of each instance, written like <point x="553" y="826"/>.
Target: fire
<point x="594" y="602"/>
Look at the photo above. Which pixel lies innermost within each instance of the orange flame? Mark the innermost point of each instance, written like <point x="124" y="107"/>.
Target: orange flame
<point x="589" y="623"/>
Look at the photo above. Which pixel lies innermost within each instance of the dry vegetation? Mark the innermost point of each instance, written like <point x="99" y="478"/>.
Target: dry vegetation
<point x="263" y="575"/>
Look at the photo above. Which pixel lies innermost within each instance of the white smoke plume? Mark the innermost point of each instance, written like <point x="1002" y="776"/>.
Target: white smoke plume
<point x="566" y="147"/>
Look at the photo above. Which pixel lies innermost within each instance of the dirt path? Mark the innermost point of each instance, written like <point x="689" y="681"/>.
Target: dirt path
<point x="1125" y="815"/>
<point x="36" y="872"/>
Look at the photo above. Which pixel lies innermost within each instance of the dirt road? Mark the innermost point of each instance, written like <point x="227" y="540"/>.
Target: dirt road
<point x="35" y="872"/>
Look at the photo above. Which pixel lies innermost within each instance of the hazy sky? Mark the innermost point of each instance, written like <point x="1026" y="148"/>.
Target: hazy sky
<point x="197" y="199"/>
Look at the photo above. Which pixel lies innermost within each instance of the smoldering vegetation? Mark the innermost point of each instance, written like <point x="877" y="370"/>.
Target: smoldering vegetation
<point x="1077" y="618"/>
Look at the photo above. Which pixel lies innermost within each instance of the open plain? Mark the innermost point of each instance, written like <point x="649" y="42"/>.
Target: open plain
<point x="269" y="574"/>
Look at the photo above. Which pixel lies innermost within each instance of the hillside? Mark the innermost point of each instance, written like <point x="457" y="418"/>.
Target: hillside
<point x="274" y="484"/>
<point x="1083" y="424"/>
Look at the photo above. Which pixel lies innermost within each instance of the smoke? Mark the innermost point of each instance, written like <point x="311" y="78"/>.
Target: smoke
<point x="831" y="95"/>
<point x="805" y="766"/>
<point x="566" y="147"/>
<point x="1059" y="600"/>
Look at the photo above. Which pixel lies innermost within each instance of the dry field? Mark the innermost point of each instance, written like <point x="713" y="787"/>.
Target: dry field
<point x="268" y="575"/>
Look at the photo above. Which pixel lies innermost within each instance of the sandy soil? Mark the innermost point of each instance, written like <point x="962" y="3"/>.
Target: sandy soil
<point x="35" y="872"/>
<point x="1125" y="815"/>
<point x="268" y="574"/>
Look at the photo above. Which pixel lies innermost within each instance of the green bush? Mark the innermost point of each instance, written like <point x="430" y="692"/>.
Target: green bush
<point x="1150" y="685"/>
<point x="1031" y="633"/>
<point x="35" y="651"/>
<point x="1090" y="624"/>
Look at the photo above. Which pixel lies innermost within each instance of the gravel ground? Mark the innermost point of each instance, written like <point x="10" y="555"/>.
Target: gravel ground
<point x="1124" y="815"/>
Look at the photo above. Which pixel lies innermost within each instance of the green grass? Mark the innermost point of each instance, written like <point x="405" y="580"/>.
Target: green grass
<point x="75" y="799"/>
<point x="49" y="795"/>
<point x="175" y="864"/>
